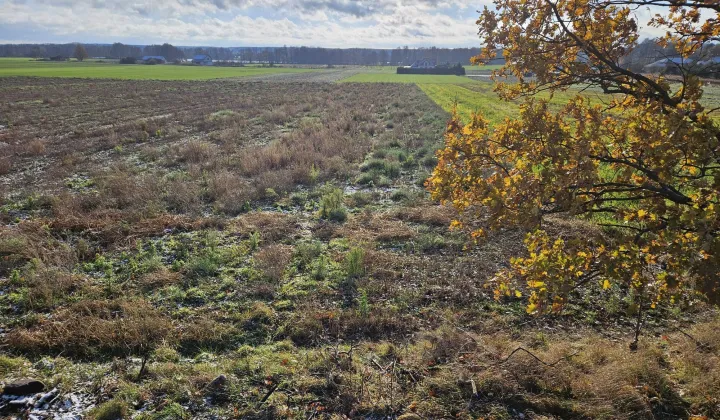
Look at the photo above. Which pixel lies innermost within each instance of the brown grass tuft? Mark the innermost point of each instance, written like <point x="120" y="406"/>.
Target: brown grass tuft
<point x="273" y="259"/>
<point x="96" y="327"/>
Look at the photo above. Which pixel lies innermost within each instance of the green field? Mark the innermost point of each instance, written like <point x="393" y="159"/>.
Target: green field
<point x="106" y="70"/>
<point x="487" y="68"/>
<point x="479" y="97"/>
<point x="387" y="77"/>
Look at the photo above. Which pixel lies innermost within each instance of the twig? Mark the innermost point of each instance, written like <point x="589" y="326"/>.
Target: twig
<point x="537" y="358"/>
<point x="700" y="345"/>
<point x="269" y="393"/>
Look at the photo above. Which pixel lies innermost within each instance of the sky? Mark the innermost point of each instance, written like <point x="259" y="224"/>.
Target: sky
<point x="226" y="23"/>
<point x="237" y="23"/>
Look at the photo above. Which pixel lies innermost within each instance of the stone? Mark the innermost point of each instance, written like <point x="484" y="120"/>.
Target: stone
<point x="218" y="384"/>
<point x="24" y="387"/>
<point x="217" y="389"/>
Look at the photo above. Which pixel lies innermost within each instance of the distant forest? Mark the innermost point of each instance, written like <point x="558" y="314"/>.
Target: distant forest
<point x="645" y="53"/>
<point x="280" y="55"/>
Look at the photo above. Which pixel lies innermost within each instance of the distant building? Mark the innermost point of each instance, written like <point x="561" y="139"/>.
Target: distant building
<point x="203" y="60"/>
<point x="153" y="59"/>
<point x="425" y="63"/>
<point x="710" y="62"/>
<point x="668" y="65"/>
<point x="709" y="67"/>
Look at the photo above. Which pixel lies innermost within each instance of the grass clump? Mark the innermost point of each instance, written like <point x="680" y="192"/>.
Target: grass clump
<point x="331" y="205"/>
<point x="111" y="410"/>
<point x="355" y="262"/>
<point x="172" y="411"/>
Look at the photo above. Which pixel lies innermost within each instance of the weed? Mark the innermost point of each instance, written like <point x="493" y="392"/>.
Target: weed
<point x="204" y="263"/>
<point x="363" y="303"/>
<point x="254" y="240"/>
<point x="355" y="262"/>
<point x="314" y="174"/>
<point x="320" y="268"/>
<point x="331" y="205"/>
<point x="307" y="252"/>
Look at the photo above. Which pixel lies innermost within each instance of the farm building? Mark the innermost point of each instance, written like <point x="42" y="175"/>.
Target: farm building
<point x="668" y="65"/>
<point x="153" y="59"/>
<point x="203" y="60"/>
<point x="425" y="63"/>
<point x="710" y="62"/>
<point x="427" y="66"/>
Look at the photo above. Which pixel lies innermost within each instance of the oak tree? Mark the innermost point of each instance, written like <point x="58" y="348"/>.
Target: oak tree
<point x="636" y="155"/>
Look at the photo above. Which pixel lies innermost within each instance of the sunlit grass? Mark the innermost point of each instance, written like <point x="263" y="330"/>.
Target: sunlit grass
<point x="96" y="69"/>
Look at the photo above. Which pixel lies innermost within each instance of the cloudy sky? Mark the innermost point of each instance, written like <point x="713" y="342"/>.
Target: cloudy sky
<point x="326" y="23"/>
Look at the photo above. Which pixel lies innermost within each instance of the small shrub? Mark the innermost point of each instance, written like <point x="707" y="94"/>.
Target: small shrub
<point x="321" y="269"/>
<point x="363" y="303"/>
<point x="374" y="164"/>
<point x="355" y="262"/>
<point x="166" y="353"/>
<point x="367" y="178"/>
<point x="254" y="241"/>
<point x="331" y="206"/>
<point x="308" y="252"/>
<point x="314" y="174"/>
<point x="392" y="169"/>
<point x="206" y="263"/>
<point x="5" y="166"/>
<point x="409" y="163"/>
<point x="36" y="148"/>
<point x="400" y="195"/>
<point x="430" y="161"/>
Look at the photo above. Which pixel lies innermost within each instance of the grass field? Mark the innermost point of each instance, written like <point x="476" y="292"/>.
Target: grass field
<point x="482" y="99"/>
<point x="479" y="97"/>
<point x="388" y="77"/>
<point x="267" y="250"/>
<point x="104" y="70"/>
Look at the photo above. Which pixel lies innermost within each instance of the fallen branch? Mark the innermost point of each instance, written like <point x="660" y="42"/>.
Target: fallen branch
<point x="700" y="345"/>
<point x="536" y="358"/>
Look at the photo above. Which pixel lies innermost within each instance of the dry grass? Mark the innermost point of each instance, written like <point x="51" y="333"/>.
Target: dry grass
<point x="96" y="327"/>
<point x="35" y="148"/>
<point x="191" y="232"/>
<point x="273" y="227"/>
<point x="272" y="261"/>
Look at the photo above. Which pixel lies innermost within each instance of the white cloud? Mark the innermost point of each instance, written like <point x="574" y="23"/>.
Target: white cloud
<point x="332" y="23"/>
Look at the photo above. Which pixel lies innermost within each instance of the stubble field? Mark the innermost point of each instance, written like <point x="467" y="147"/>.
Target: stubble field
<point x="216" y="249"/>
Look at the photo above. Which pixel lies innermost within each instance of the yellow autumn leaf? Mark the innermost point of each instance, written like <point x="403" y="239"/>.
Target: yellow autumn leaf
<point x="606" y="284"/>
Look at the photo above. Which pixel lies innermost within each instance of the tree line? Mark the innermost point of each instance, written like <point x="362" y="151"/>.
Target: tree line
<point x="281" y="55"/>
